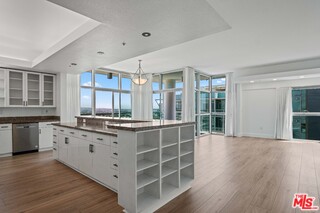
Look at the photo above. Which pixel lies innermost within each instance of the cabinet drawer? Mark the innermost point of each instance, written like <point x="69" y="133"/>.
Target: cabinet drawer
<point x="72" y="132"/>
<point x="102" y="139"/>
<point x="114" y="152"/>
<point x="62" y="130"/>
<point x="55" y="152"/>
<point x="114" y="141"/>
<point x="114" y="164"/>
<point x="5" y="126"/>
<point x="85" y="135"/>
<point x="114" y="179"/>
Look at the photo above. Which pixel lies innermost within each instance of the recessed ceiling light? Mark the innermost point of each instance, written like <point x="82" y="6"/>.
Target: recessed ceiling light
<point x="274" y="79"/>
<point x="251" y="81"/>
<point x="301" y="76"/>
<point x="73" y="64"/>
<point x="100" y="52"/>
<point x="146" y="34"/>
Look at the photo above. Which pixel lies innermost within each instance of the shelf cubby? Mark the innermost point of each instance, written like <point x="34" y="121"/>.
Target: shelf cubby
<point x="170" y="137"/>
<point x="147" y="160"/>
<point x="170" y="183"/>
<point x="148" y="195"/>
<point x="187" y="133"/>
<point x="148" y="141"/>
<point x="147" y="176"/>
<point x="169" y="167"/>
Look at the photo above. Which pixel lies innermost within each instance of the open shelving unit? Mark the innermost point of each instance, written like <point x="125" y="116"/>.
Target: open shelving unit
<point x="162" y="169"/>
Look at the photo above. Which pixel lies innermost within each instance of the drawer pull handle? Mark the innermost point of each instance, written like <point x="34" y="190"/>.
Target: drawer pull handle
<point x="54" y="129"/>
<point x="84" y="135"/>
<point x="54" y="135"/>
<point x="116" y="176"/>
<point x="115" y="142"/>
<point x="72" y="133"/>
<point x="54" y="142"/>
<point x="66" y="141"/>
<point x="116" y="165"/>
<point x="61" y="130"/>
<point x="115" y="153"/>
<point x="54" y="149"/>
<point x="100" y="139"/>
<point x="4" y="127"/>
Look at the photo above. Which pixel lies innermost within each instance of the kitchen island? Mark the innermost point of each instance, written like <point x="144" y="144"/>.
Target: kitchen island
<point x="147" y="163"/>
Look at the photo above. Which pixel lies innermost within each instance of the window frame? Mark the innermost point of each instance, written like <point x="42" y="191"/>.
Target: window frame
<point x="119" y="90"/>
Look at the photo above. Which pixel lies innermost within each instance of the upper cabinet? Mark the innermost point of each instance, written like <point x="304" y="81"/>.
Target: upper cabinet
<point x="29" y="89"/>
<point x="2" y="87"/>
<point x="48" y="90"/>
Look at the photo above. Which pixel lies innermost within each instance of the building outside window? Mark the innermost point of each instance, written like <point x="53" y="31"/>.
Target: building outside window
<point x="105" y="93"/>
<point x="306" y="113"/>
<point x="167" y="95"/>
<point x="209" y="104"/>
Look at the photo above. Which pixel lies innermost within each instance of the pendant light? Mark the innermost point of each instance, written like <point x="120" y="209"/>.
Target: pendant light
<point x="139" y="77"/>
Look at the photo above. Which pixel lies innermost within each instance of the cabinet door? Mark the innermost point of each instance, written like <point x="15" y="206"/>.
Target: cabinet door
<point x="16" y="89"/>
<point x="85" y="157"/>
<point x="73" y="152"/>
<point x="48" y="90"/>
<point x="63" y="148"/>
<point x="45" y="137"/>
<point x="101" y="157"/>
<point x="33" y="95"/>
<point x="6" y="142"/>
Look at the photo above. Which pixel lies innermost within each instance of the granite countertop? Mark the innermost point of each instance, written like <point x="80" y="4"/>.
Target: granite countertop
<point x="95" y="129"/>
<point x="28" y="119"/>
<point x="148" y="125"/>
<point x="122" y="120"/>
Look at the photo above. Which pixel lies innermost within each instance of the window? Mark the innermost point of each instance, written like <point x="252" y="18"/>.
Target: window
<point x="306" y="113"/>
<point x="218" y="104"/>
<point x="167" y="95"/>
<point x="86" y="101"/>
<point x="209" y="103"/>
<point x="109" y="99"/>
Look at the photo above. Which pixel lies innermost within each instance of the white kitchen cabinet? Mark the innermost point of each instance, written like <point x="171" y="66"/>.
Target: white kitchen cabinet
<point x="85" y="157"/>
<point x="101" y="159"/>
<point x="30" y="89"/>
<point x="3" y="74"/>
<point x="63" y="148"/>
<point x="73" y="152"/>
<point x="90" y="153"/>
<point x="6" y="139"/>
<point x="45" y="136"/>
<point x="48" y="89"/>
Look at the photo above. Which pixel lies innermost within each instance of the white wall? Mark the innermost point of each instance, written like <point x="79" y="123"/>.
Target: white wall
<point x="258" y="113"/>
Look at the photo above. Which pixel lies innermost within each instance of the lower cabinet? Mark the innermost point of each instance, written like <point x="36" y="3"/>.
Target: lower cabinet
<point x="5" y="139"/>
<point x="87" y="156"/>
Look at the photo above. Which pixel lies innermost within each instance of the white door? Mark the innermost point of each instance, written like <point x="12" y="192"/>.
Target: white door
<point x="45" y="137"/>
<point x="85" y="157"/>
<point x="63" y="148"/>
<point x="73" y="152"/>
<point x="6" y="142"/>
<point x="101" y="158"/>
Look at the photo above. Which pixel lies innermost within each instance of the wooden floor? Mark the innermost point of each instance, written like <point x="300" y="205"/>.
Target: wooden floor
<point x="232" y="175"/>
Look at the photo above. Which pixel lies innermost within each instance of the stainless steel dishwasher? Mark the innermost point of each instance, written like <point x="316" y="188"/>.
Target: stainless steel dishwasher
<point x="25" y="138"/>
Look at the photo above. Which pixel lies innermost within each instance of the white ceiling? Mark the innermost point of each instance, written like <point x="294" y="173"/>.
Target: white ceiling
<point x="33" y="30"/>
<point x="262" y="32"/>
<point x="229" y="35"/>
